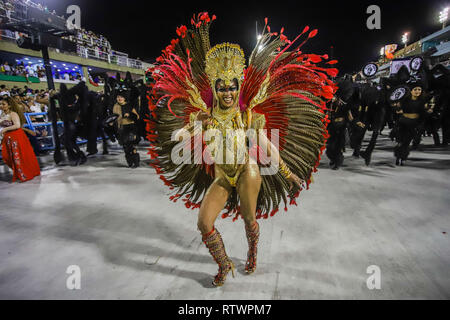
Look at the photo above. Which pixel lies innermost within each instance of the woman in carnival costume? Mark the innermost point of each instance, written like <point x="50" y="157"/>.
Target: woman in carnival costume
<point x="280" y="96"/>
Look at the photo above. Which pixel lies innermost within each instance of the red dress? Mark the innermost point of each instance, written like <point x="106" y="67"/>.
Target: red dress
<point x="18" y="154"/>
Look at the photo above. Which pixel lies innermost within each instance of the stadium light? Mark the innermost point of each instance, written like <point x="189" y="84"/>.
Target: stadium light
<point x="405" y="38"/>
<point x="443" y="17"/>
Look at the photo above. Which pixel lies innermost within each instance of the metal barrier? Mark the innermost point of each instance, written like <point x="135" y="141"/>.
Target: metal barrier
<point x="119" y="60"/>
<point x="44" y="130"/>
<point x="8" y="34"/>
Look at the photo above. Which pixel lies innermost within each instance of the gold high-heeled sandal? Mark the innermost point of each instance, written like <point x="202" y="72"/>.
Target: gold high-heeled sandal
<point x="214" y="243"/>
<point x="252" y="233"/>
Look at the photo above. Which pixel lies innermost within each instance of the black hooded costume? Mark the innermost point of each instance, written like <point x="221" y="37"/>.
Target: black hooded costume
<point x="338" y="113"/>
<point x="127" y="124"/>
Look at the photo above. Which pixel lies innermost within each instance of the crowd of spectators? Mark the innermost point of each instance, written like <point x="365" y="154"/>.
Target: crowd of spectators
<point x="20" y="69"/>
<point x="29" y="100"/>
<point x="91" y="41"/>
<point x="72" y="76"/>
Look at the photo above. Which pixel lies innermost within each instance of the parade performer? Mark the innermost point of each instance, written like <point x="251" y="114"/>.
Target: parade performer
<point x="339" y="112"/>
<point x="379" y="116"/>
<point x="73" y="106"/>
<point x="17" y="152"/>
<point x="127" y="127"/>
<point x="429" y="124"/>
<point x="201" y="88"/>
<point x="410" y="113"/>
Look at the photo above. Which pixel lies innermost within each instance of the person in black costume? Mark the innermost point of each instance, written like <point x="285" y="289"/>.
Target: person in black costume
<point x="430" y="123"/>
<point x="377" y="117"/>
<point x="440" y="82"/>
<point x="127" y="128"/>
<point x="444" y="102"/>
<point x="410" y="112"/>
<point x="94" y="123"/>
<point x="71" y="106"/>
<point x="362" y="115"/>
<point x="338" y="113"/>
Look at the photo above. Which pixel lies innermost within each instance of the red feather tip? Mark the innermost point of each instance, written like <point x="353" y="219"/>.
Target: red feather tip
<point x="332" y="72"/>
<point x="313" y="33"/>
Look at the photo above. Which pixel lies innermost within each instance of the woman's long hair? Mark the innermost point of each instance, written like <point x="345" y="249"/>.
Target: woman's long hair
<point x="13" y="106"/>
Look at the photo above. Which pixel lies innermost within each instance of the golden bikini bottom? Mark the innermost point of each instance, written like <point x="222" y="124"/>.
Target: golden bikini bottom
<point x="411" y="115"/>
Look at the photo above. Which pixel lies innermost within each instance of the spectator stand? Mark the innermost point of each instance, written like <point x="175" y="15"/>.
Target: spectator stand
<point x="89" y="44"/>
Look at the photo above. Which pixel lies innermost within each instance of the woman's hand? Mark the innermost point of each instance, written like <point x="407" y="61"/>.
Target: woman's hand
<point x="294" y="181"/>
<point x="360" y="124"/>
<point x="205" y="118"/>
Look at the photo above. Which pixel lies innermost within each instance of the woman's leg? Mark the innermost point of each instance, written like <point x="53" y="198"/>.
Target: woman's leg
<point x="248" y="187"/>
<point x="212" y="204"/>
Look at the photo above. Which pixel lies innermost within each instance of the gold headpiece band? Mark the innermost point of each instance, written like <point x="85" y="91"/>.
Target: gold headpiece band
<point x="225" y="61"/>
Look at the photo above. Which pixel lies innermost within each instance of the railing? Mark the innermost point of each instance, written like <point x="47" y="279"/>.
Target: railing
<point x="8" y="34"/>
<point x="44" y="130"/>
<point x="90" y="53"/>
<point x="86" y="40"/>
<point x="414" y="48"/>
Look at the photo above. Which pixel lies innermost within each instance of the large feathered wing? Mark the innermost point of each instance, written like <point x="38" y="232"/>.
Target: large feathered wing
<point x="181" y="90"/>
<point x="290" y="91"/>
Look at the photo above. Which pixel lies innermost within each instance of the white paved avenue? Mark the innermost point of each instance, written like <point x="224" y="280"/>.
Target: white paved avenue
<point x="131" y="242"/>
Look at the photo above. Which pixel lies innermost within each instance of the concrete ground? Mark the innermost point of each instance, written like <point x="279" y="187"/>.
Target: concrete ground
<point x="130" y="242"/>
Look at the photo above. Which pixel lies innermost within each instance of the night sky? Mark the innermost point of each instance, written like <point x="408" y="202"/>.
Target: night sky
<point x="144" y="28"/>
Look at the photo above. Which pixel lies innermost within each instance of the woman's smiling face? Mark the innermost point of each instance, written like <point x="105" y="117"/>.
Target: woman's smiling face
<point x="227" y="95"/>
<point x="416" y="92"/>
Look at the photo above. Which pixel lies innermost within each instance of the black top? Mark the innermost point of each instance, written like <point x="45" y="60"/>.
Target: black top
<point x="413" y="106"/>
<point x="128" y="108"/>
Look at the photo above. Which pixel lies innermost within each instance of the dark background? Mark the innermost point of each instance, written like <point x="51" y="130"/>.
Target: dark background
<point x="143" y="28"/>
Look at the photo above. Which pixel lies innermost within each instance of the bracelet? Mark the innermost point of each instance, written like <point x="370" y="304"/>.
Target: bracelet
<point x="284" y="170"/>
